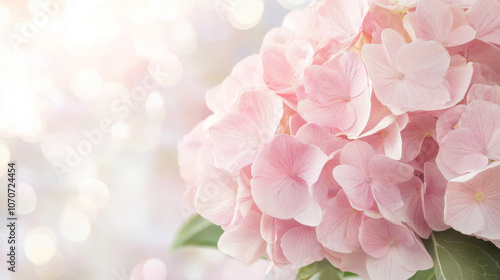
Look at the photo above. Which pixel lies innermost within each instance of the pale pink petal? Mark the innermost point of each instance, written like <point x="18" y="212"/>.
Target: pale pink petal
<point x="413" y="80"/>
<point x="423" y="66"/>
<point x="265" y="108"/>
<point x="387" y="141"/>
<point x="457" y="81"/>
<point x="387" y="195"/>
<point x="493" y="147"/>
<point x="448" y="121"/>
<point x="326" y="187"/>
<point x="355" y="262"/>
<point x="461" y="151"/>
<point x="283" y="172"/>
<point x="387" y="268"/>
<point x="339" y="228"/>
<point x="484" y="17"/>
<point x="436" y="21"/>
<point x="267" y="229"/>
<point x="432" y="194"/>
<point x="341" y="20"/>
<point x="245" y="243"/>
<point x="357" y="154"/>
<point x="236" y="139"/>
<point x="483" y="118"/>
<point x="447" y="172"/>
<point x="412" y="211"/>
<point x="420" y="127"/>
<point x="356" y="186"/>
<point x="378" y="237"/>
<point x="385" y="169"/>
<point x="484" y="92"/>
<point x="462" y="212"/>
<point x="338" y="94"/>
<point x="486" y="196"/>
<point x="311" y="215"/>
<point x="278" y="74"/>
<point x="216" y="196"/>
<point x="301" y="247"/>
<point x="394" y="252"/>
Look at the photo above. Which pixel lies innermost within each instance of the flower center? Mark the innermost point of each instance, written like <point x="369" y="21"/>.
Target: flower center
<point x="292" y="175"/>
<point x="401" y="76"/>
<point x="383" y="134"/>
<point x="392" y="243"/>
<point x="347" y="98"/>
<point x="455" y="126"/>
<point x="479" y="196"/>
<point x="483" y="151"/>
<point x="368" y="180"/>
<point x="427" y="133"/>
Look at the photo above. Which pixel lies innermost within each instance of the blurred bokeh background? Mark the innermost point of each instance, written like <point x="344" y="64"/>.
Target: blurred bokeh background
<point x="94" y="97"/>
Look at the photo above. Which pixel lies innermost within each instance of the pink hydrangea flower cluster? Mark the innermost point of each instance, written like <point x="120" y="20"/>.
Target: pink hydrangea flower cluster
<point x="359" y="128"/>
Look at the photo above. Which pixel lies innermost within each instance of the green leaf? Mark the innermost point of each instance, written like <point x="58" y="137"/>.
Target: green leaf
<point x="322" y="270"/>
<point x="197" y="231"/>
<point x="424" y="275"/>
<point x="457" y="256"/>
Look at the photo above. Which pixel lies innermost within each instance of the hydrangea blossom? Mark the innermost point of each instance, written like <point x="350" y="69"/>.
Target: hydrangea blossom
<point x="359" y="128"/>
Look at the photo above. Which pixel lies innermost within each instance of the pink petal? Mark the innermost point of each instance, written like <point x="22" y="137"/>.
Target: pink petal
<point x="378" y="236"/>
<point x="357" y="154"/>
<point x="341" y="20"/>
<point x="412" y="211"/>
<point x="433" y="191"/>
<point x="245" y="243"/>
<point x="326" y="187"/>
<point x="301" y="247"/>
<point x="484" y="17"/>
<point x="236" y="139"/>
<point x="339" y="228"/>
<point x="282" y="173"/>
<point x="462" y="212"/>
<point x="385" y="169"/>
<point x="420" y="127"/>
<point x="216" y="196"/>
<point x="395" y="253"/>
<point x="354" y="184"/>
<point x="338" y="94"/>
<point x="311" y="215"/>
<point x="484" y="92"/>
<point x="264" y="108"/>
<point x="483" y="187"/>
<point x="461" y="151"/>
<point x="278" y="74"/>
<point x="448" y="121"/>
<point x="435" y="21"/>
<point x="387" y="195"/>
<point x="483" y="119"/>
